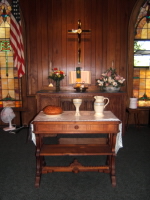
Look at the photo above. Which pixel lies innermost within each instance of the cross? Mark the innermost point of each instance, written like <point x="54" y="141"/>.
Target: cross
<point x="79" y="31"/>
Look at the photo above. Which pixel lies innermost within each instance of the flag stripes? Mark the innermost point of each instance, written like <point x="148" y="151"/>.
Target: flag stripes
<point x="16" y="40"/>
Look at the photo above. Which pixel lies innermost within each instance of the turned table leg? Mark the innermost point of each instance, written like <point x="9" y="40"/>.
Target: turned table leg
<point x="39" y="161"/>
<point x="113" y="171"/>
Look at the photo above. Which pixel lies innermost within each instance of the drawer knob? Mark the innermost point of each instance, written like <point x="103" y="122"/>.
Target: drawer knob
<point x="76" y="127"/>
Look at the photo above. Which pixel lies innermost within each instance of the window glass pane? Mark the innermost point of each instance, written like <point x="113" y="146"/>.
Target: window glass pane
<point x="136" y="84"/>
<point x="2" y="33"/>
<point x="141" y="61"/>
<point x="12" y="94"/>
<point x="147" y="83"/>
<point x="141" y="26"/>
<point x="10" y="85"/>
<point x="142" y="83"/>
<point x="4" y="93"/>
<point x="4" y="84"/>
<point x="148" y="93"/>
<point x="136" y="73"/>
<point x="142" y="74"/>
<point x="141" y="78"/>
<point x="142" y="54"/>
<point x="145" y="33"/>
<point x="148" y="74"/>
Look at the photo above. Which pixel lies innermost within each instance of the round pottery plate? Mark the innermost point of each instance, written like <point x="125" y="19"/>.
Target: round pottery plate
<point x="53" y="115"/>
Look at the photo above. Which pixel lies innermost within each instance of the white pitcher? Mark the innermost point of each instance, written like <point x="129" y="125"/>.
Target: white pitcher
<point x="99" y="105"/>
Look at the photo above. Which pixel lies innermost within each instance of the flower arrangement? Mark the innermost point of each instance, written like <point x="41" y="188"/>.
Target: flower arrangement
<point x="57" y="75"/>
<point x="110" y="78"/>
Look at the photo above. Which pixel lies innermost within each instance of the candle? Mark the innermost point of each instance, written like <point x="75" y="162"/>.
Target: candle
<point x="112" y="64"/>
<point x="50" y="67"/>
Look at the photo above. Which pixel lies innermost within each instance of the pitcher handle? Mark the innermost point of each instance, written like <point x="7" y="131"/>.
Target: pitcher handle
<point x="107" y="102"/>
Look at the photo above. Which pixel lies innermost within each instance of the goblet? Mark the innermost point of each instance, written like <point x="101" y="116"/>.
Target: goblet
<point x="77" y="104"/>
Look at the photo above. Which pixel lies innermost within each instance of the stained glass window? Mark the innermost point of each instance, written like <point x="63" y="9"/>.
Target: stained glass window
<point x="141" y="77"/>
<point x="10" y="84"/>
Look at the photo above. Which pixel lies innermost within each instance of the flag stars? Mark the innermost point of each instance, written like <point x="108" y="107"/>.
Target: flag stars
<point x="15" y="10"/>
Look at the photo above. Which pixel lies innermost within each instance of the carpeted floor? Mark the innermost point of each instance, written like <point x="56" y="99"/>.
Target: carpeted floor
<point x="17" y="172"/>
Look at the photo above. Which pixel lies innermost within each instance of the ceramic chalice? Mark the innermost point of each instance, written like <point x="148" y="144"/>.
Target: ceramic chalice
<point x="77" y="104"/>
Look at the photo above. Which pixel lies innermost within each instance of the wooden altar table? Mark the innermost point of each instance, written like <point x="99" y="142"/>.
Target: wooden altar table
<point x="67" y="123"/>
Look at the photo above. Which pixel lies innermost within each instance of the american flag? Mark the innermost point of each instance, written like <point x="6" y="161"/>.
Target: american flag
<point x="16" y="38"/>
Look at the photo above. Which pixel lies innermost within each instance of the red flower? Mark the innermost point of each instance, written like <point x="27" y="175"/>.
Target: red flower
<point x="55" y="69"/>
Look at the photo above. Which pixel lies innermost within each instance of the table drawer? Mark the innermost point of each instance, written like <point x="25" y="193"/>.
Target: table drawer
<point x="83" y="127"/>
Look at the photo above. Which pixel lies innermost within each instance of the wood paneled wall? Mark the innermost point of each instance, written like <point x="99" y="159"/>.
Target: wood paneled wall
<point x="46" y="25"/>
<point x="47" y="38"/>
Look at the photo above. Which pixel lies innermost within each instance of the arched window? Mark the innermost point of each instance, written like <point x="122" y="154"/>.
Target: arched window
<point x="141" y="78"/>
<point x="10" y="84"/>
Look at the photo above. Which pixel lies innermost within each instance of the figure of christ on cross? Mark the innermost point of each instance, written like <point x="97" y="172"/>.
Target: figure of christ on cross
<point x="79" y="31"/>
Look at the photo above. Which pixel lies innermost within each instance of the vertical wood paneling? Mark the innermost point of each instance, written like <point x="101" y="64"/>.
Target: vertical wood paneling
<point x="32" y="48"/>
<point x="97" y="38"/>
<point x="87" y="37"/>
<point x="71" y="38"/>
<point x="57" y="30"/>
<point x="47" y="39"/>
<point x="50" y="35"/>
<point x="123" y="40"/>
<point x="111" y="33"/>
<point x="104" y="10"/>
<point x="47" y="26"/>
<point x="39" y="44"/>
<point x="64" y="41"/>
<point x="43" y="36"/>
<point x="118" y="37"/>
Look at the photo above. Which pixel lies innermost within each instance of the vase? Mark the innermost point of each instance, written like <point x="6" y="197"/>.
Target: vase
<point x="111" y="89"/>
<point x="57" y="85"/>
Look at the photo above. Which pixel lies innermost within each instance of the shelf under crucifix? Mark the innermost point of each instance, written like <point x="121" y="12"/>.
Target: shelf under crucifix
<point x="79" y="31"/>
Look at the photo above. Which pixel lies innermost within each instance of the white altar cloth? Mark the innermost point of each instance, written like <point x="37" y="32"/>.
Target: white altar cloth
<point x="84" y="116"/>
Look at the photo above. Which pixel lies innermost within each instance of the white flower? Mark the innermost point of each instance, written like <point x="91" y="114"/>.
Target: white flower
<point x="110" y="80"/>
<point x="115" y="84"/>
<point x="121" y="80"/>
<point x="104" y="74"/>
<point x="100" y="83"/>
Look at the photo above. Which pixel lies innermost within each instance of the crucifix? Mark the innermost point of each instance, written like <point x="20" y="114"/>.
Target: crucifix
<point x="79" y="31"/>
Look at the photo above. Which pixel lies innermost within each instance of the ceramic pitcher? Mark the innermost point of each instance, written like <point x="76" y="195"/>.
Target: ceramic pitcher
<point x="100" y="104"/>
